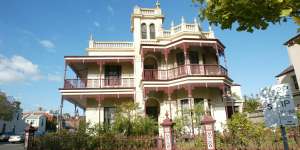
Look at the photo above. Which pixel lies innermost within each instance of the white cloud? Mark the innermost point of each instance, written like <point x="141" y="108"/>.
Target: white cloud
<point x="47" y="44"/>
<point x="96" y="24"/>
<point x="55" y="77"/>
<point x="110" y="10"/>
<point x="17" y="68"/>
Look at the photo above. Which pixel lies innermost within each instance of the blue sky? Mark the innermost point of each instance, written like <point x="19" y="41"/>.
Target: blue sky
<point x="35" y="35"/>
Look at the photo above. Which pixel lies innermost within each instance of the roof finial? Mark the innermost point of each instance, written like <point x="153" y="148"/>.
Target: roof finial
<point x="172" y="23"/>
<point x="91" y="37"/>
<point x="210" y="28"/>
<point x="182" y="20"/>
<point x="157" y="4"/>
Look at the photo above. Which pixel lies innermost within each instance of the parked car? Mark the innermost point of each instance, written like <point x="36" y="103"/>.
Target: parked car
<point x="5" y="136"/>
<point x="16" y="138"/>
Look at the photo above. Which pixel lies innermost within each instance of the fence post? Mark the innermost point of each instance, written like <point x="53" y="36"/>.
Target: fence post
<point x="159" y="143"/>
<point x="29" y="137"/>
<point x="209" y="132"/>
<point x="168" y="136"/>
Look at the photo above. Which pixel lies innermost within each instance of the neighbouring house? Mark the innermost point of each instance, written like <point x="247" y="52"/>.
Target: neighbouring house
<point x="293" y="47"/>
<point x="36" y="120"/>
<point x="51" y="118"/>
<point x="16" y="125"/>
<point x="236" y="101"/>
<point x="72" y="123"/>
<point x="162" y="70"/>
<point x="288" y="75"/>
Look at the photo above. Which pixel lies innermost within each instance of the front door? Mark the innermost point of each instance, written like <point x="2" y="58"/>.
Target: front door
<point x="152" y="112"/>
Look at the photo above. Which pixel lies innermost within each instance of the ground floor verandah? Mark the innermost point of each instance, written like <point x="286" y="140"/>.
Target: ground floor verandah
<point x="100" y="108"/>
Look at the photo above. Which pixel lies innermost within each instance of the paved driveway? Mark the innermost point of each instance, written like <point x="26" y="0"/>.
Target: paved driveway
<point x="9" y="146"/>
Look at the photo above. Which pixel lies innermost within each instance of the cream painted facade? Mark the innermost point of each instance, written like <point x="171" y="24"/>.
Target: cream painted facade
<point x="161" y="70"/>
<point x="293" y="47"/>
<point x="289" y="76"/>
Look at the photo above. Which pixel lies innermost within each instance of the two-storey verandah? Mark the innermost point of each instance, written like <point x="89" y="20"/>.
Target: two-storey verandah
<point x="97" y="84"/>
<point x="171" y="85"/>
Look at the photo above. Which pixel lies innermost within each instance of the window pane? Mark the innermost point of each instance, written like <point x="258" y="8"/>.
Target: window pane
<point x="109" y="114"/>
<point x="152" y="31"/>
<point x="184" y="104"/>
<point x="144" y="31"/>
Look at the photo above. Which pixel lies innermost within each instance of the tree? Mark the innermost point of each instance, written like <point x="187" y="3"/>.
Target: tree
<point x="128" y="123"/>
<point x="249" y="14"/>
<point x="243" y="132"/>
<point x="6" y="109"/>
<point x="251" y="104"/>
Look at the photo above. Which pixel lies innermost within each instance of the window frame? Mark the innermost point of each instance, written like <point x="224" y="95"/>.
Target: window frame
<point x="109" y="111"/>
<point x="143" y="31"/>
<point x="152" y="31"/>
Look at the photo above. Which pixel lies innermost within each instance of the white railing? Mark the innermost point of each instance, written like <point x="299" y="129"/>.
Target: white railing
<point x="166" y="33"/>
<point x="99" y="44"/>
<point x="147" y="11"/>
<point x="177" y="28"/>
<point x="186" y="27"/>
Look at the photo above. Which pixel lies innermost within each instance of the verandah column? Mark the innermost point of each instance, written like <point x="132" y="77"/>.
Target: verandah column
<point x="166" y="53"/>
<point x="190" y="99"/>
<point x="100" y="72"/>
<point x="61" y="111"/>
<point x="169" y="100"/>
<point x="186" y="59"/>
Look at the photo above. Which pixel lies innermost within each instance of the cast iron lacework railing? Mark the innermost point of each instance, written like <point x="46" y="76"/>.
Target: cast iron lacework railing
<point x="99" y="83"/>
<point x="184" y="70"/>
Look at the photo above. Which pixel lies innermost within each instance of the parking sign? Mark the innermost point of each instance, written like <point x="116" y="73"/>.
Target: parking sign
<point x="278" y="106"/>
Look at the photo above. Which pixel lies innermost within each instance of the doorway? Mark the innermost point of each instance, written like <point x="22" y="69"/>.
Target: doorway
<point x="150" y="68"/>
<point x="152" y="109"/>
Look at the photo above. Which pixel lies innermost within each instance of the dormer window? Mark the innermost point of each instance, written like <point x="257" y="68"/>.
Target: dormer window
<point x="152" y="31"/>
<point x="144" y="31"/>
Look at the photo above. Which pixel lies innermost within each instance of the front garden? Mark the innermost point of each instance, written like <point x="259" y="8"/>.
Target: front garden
<point x="130" y="132"/>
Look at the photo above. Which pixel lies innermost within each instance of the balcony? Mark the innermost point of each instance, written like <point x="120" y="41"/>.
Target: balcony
<point x="99" y="83"/>
<point x="184" y="71"/>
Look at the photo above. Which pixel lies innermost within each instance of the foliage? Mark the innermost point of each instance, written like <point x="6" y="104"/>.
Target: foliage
<point x="90" y="138"/>
<point x="7" y="110"/>
<point x="249" y="14"/>
<point x="184" y="120"/>
<point x="144" y="126"/>
<point x="51" y="124"/>
<point x="239" y="128"/>
<point x="128" y="123"/>
<point x="251" y="104"/>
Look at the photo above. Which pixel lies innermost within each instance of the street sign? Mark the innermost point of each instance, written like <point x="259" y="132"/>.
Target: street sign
<point x="278" y="106"/>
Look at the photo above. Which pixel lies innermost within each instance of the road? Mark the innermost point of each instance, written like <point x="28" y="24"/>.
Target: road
<point x="9" y="146"/>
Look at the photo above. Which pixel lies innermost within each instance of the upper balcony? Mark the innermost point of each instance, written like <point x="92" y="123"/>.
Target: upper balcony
<point x="98" y="72"/>
<point x="103" y="83"/>
<point x="184" y="71"/>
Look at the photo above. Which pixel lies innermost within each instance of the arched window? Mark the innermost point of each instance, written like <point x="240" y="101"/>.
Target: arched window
<point x="144" y="31"/>
<point x="152" y="31"/>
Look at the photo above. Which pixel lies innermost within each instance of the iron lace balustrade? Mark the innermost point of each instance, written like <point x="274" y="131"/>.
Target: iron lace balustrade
<point x="184" y="70"/>
<point x="111" y="82"/>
